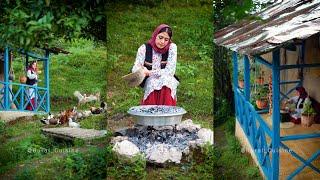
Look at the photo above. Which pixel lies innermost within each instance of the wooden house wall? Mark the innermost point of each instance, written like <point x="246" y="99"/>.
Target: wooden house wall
<point x="311" y="75"/>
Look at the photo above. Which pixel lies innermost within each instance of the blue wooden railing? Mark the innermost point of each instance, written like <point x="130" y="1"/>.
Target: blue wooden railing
<point x="19" y="97"/>
<point x="256" y="131"/>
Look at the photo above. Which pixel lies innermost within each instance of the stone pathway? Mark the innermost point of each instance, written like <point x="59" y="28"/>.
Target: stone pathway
<point x="72" y="133"/>
<point x="8" y="116"/>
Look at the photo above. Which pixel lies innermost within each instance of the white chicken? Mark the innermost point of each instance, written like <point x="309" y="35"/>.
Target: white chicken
<point x="73" y="124"/>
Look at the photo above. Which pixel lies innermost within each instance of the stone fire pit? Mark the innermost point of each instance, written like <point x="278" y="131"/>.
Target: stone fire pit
<point x="163" y="143"/>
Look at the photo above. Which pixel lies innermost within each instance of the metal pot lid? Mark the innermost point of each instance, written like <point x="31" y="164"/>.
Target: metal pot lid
<point x="156" y="110"/>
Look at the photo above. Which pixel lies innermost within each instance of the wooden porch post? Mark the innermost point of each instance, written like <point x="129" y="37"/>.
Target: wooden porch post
<point x="235" y="79"/>
<point x="47" y="80"/>
<point x="276" y="113"/>
<point x="235" y="69"/>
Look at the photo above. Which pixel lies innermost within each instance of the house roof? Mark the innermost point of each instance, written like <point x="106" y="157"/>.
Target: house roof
<point x="280" y="24"/>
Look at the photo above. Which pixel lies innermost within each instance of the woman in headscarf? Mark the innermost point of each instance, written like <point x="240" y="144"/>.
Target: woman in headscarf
<point x="298" y="101"/>
<point x="158" y="58"/>
<point x="32" y="80"/>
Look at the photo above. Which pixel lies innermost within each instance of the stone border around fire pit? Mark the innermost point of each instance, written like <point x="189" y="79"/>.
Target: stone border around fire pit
<point x="161" y="145"/>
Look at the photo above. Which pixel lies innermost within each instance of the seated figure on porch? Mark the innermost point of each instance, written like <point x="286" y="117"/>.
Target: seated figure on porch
<point x="298" y="102"/>
<point x="32" y="79"/>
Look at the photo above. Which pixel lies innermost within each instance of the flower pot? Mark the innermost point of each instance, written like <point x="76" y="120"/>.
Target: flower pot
<point x="23" y="79"/>
<point x="262" y="103"/>
<point x="241" y="84"/>
<point x="307" y="120"/>
<point x="260" y="80"/>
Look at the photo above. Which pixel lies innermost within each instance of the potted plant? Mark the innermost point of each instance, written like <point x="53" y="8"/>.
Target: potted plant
<point x="261" y="97"/>
<point x="307" y="114"/>
<point x="240" y="80"/>
<point x="260" y="79"/>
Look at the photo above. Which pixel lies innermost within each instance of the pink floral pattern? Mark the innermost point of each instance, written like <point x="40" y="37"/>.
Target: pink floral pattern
<point x="159" y="77"/>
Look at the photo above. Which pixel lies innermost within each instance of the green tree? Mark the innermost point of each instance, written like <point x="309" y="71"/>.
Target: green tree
<point x="226" y="12"/>
<point x="30" y="23"/>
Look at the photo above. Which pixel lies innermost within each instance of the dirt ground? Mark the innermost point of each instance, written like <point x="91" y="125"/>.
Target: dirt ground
<point x="119" y="121"/>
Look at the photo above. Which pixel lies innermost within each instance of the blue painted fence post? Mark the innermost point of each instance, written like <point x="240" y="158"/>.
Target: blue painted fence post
<point x="22" y="98"/>
<point x="6" y="79"/>
<point x="246" y="78"/>
<point x="235" y="79"/>
<point x="275" y="113"/>
<point x="246" y="118"/>
<point x="47" y="80"/>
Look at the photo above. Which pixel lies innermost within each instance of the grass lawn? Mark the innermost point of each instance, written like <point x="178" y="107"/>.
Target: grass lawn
<point x="230" y="160"/>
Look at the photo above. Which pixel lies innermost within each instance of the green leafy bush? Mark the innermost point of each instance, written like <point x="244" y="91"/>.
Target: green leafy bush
<point x="120" y="168"/>
<point x="81" y="165"/>
<point x="222" y="111"/>
<point x="75" y="165"/>
<point x="32" y="23"/>
<point x="208" y="162"/>
<point x="307" y="108"/>
<point x="26" y="173"/>
<point x="97" y="163"/>
<point x="261" y="93"/>
<point x="240" y="76"/>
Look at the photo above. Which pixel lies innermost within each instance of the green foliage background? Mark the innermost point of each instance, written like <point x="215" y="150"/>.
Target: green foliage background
<point x="33" y="23"/>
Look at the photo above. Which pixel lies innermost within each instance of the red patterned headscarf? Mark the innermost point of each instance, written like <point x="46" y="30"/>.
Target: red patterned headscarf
<point x="302" y="92"/>
<point x="152" y="41"/>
